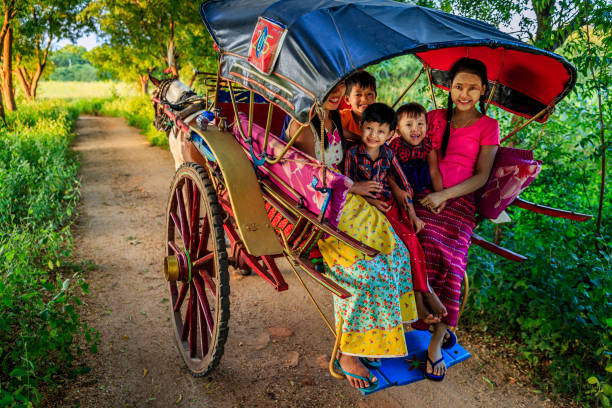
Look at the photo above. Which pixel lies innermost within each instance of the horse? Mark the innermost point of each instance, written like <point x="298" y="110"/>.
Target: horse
<point x="187" y="106"/>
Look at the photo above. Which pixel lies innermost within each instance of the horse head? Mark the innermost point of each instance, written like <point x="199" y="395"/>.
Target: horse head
<point x="172" y="91"/>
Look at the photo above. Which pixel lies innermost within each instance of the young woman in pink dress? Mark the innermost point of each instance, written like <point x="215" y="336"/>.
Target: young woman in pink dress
<point x="467" y="141"/>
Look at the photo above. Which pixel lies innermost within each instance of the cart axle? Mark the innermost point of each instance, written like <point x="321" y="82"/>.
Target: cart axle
<point x="176" y="267"/>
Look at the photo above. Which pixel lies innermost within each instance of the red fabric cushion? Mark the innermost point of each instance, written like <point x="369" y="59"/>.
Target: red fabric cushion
<point x="513" y="170"/>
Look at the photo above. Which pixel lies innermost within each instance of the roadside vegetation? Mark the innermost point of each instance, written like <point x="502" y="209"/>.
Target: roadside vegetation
<point x="40" y="332"/>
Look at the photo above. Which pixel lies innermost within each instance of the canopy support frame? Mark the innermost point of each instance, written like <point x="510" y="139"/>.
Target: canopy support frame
<point x="408" y="88"/>
<point x="523" y="125"/>
<point x="245" y="138"/>
<point x="433" y="95"/>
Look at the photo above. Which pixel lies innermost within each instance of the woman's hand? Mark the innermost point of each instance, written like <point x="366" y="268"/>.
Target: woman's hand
<point x="434" y="202"/>
<point x="368" y="189"/>
<point x="440" y="208"/>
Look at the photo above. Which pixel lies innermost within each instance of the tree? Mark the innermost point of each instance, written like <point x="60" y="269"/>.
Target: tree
<point x="590" y="50"/>
<point x="151" y="33"/>
<point x="124" y="62"/>
<point x="547" y="24"/>
<point x="44" y="22"/>
<point x="10" y="10"/>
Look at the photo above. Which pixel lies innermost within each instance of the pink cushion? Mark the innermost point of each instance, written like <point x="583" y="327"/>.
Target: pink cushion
<point x="513" y="170"/>
<point x="300" y="172"/>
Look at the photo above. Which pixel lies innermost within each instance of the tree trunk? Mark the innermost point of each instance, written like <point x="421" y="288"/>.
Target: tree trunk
<point x="35" y="79"/>
<point x="23" y="81"/>
<point x="143" y="81"/>
<point x="7" y="71"/>
<point x="2" y="116"/>
<point x="172" y="57"/>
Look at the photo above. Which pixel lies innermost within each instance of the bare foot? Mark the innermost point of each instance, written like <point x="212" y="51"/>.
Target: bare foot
<point x="351" y="364"/>
<point x="422" y="311"/>
<point x="433" y="301"/>
<point x="434" y="350"/>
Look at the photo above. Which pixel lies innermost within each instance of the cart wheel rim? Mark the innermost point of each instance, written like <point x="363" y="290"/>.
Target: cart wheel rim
<point x="199" y="295"/>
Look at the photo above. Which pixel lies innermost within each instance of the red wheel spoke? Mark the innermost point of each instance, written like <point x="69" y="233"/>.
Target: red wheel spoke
<point x="173" y="247"/>
<point x="209" y="283"/>
<point x="193" y="316"/>
<point x="181" y="297"/>
<point x="203" y="237"/>
<point x="206" y="259"/>
<point x="204" y="304"/>
<point x="182" y="217"/>
<point x="176" y="223"/>
<point x="189" y="190"/>
<point x="195" y="219"/>
<point x="203" y="336"/>
<point x="187" y="321"/>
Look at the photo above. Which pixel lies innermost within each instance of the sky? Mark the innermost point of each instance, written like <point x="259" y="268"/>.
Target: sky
<point x="89" y="41"/>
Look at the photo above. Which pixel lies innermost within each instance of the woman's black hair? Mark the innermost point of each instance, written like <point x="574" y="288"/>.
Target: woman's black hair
<point x="335" y="118"/>
<point x="473" y="66"/>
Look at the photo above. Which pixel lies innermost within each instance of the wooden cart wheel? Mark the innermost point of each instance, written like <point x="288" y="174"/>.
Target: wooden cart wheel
<point x="196" y="267"/>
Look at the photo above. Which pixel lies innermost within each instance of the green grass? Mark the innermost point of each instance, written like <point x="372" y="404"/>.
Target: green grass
<point x="74" y="89"/>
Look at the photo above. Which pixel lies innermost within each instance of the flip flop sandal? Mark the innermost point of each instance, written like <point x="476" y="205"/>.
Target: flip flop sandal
<point x="449" y="341"/>
<point x="431" y="376"/>
<point x="370" y="364"/>
<point x="373" y="385"/>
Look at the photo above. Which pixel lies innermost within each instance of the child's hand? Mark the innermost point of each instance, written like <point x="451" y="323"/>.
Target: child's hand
<point x="381" y="205"/>
<point x="367" y="188"/>
<point x="404" y="199"/>
<point x="417" y="223"/>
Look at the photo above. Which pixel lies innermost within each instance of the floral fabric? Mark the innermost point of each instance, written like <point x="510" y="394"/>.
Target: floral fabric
<point x="382" y="297"/>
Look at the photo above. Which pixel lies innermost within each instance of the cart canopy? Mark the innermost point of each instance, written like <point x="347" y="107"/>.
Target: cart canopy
<point x="300" y="49"/>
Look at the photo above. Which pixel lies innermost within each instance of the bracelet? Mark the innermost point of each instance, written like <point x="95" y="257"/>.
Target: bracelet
<point x="409" y="200"/>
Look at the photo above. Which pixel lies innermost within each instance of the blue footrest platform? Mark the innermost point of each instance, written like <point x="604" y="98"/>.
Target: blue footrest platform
<point x="409" y="369"/>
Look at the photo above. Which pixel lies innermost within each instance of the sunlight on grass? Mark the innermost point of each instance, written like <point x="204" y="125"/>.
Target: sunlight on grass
<point x="73" y="89"/>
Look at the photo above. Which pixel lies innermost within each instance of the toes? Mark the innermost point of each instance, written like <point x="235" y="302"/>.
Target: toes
<point x="431" y="319"/>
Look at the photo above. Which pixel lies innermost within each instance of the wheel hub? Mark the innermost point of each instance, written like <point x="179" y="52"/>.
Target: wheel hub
<point x="177" y="267"/>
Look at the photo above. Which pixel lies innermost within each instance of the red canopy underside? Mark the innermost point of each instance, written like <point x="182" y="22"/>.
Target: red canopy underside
<point x="538" y="77"/>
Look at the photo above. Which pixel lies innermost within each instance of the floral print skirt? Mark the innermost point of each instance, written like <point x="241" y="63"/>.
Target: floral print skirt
<point x="381" y="287"/>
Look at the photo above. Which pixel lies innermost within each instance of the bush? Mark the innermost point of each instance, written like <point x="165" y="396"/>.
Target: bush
<point x="39" y="192"/>
<point x="557" y="304"/>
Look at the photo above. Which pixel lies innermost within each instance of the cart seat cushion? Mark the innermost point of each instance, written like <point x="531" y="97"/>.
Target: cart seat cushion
<point x="301" y="173"/>
<point x="513" y="170"/>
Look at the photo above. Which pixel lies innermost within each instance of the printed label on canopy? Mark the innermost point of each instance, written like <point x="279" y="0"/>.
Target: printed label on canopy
<point x="266" y="44"/>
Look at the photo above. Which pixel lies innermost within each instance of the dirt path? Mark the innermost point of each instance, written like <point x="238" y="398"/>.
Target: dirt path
<point x="125" y="185"/>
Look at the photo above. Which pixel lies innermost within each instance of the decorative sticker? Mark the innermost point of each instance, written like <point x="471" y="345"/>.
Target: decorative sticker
<point x="266" y="44"/>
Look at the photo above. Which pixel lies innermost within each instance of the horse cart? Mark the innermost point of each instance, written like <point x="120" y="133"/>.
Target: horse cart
<point x="243" y="196"/>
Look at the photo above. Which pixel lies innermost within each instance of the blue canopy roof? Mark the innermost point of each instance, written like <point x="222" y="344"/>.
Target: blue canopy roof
<point x="327" y="40"/>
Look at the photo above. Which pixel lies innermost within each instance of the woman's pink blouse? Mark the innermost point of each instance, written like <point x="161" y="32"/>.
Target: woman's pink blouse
<point x="464" y="144"/>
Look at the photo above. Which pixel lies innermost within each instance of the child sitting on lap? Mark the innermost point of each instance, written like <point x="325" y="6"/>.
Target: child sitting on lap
<point x="419" y="162"/>
<point x="360" y="93"/>
<point x="373" y="160"/>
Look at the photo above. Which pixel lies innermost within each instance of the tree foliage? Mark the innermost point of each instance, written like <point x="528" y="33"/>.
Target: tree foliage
<point x="547" y="24"/>
<point x="149" y="35"/>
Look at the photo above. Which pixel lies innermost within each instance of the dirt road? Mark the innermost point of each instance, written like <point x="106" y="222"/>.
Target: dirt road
<point x="121" y="230"/>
